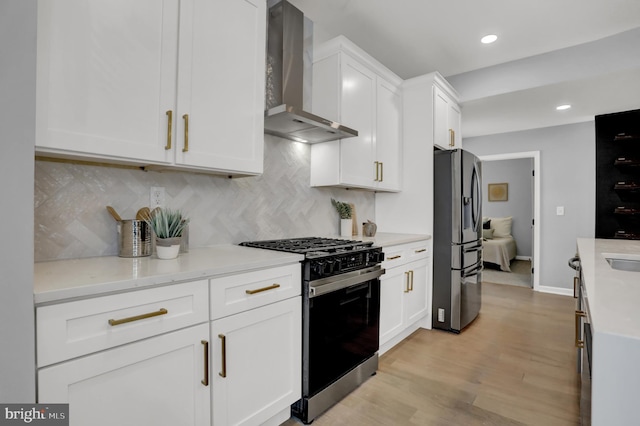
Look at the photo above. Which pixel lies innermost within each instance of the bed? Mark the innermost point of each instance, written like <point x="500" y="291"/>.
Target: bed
<point x="498" y="246"/>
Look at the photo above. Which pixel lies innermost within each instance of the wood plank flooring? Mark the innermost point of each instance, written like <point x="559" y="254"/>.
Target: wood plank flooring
<point x="514" y="365"/>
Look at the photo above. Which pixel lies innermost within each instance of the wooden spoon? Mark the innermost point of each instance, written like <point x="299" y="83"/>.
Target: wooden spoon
<point x="143" y="214"/>
<point x="113" y="213"/>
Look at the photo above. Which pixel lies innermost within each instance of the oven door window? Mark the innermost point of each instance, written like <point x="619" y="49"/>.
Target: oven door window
<point x="343" y="332"/>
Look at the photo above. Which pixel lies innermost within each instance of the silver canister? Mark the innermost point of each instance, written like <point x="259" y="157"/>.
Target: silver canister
<point x="134" y="238"/>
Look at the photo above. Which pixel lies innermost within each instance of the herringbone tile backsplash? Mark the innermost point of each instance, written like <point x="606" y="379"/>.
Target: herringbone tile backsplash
<point x="71" y="220"/>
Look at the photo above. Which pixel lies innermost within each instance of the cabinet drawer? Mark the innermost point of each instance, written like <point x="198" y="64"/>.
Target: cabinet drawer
<point x="237" y="293"/>
<point x="404" y="253"/>
<point x="72" y="329"/>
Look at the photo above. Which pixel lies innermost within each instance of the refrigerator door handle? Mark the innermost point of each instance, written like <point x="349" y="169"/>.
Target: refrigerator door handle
<point x="477" y="247"/>
<point x="476" y="197"/>
<point x="473" y="271"/>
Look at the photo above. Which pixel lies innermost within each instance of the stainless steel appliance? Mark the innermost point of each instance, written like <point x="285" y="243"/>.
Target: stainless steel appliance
<point x="583" y="341"/>
<point x="287" y="76"/>
<point x="340" y="317"/>
<point x="457" y="239"/>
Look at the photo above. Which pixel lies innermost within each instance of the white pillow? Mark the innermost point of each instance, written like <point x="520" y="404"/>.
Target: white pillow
<point x="501" y="226"/>
<point x="487" y="234"/>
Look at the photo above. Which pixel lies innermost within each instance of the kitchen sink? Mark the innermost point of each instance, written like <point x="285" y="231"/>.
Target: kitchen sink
<point x="624" y="262"/>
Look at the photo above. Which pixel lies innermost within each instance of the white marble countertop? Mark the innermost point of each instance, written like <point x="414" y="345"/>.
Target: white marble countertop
<point x="613" y="296"/>
<point x="61" y="280"/>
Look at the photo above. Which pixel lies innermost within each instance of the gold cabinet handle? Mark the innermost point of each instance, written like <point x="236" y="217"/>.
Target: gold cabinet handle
<point x="205" y="381"/>
<point x="421" y="250"/>
<point x="579" y="314"/>
<point x="377" y="165"/>
<point x="452" y="137"/>
<point x="162" y="311"/>
<point x="259" y="290"/>
<point x="576" y="280"/>
<point x="408" y="287"/>
<point x="381" y="171"/>
<point x="411" y="274"/>
<point x="186" y="133"/>
<point x="169" y="127"/>
<point x="394" y="257"/>
<point x="223" y="373"/>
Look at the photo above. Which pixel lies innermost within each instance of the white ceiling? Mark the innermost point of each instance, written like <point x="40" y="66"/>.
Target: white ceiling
<point x="583" y="52"/>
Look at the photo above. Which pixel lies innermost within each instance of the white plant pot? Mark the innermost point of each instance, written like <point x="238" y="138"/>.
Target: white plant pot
<point x="346" y="227"/>
<point x="170" y="252"/>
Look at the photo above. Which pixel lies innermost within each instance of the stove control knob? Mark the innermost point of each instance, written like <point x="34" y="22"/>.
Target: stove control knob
<point x="329" y="268"/>
<point x="318" y="267"/>
<point x="337" y="265"/>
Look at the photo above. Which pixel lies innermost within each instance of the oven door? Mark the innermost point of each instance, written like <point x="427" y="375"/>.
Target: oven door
<point x="342" y="319"/>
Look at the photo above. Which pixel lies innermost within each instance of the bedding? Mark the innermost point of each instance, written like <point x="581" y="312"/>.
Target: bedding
<point x="499" y="250"/>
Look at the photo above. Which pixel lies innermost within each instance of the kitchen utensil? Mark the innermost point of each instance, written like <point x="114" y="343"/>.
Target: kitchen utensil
<point x="134" y="238"/>
<point x="113" y="213"/>
<point x="143" y="214"/>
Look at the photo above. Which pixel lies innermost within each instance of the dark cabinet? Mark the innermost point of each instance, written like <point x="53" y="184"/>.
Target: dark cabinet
<point x="618" y="175"/>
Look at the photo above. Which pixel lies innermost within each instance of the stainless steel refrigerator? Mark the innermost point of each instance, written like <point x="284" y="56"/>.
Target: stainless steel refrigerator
<point x="457" y="239"/>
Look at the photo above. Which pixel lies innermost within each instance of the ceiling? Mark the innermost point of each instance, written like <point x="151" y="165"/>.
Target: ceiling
<point x="582" y="52"/>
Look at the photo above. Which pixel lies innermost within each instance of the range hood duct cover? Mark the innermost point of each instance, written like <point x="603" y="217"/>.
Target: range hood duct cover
<point x="285" y="80"/>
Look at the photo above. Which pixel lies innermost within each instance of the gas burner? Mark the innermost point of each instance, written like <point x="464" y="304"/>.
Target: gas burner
<point x="309" y="245"/>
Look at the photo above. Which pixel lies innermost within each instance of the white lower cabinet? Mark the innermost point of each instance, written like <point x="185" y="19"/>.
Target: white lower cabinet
<point x="256" y="364"/>
<point x="157" y="381"/>
<point x="404" y="292"/>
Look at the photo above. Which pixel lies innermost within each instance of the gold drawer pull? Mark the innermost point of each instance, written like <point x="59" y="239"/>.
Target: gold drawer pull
<point x="377" y="164"/>
<point x="259" y="290"/>
<point x="408" y="287"/>
<point x="579" y="343"/>
<point x="162" y="311"/>
<point x="205" y="381"/>
<point x="394" y="257"/>
<point x="421" y="250"/>
<point x="411" y="273"/>
<point x="223" y="373"/>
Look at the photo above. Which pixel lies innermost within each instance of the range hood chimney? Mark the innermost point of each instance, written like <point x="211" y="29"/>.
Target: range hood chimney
<point x="285" y="80"/>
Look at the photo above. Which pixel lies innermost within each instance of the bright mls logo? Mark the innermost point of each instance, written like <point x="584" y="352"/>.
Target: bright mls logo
<point x="35" y="414"/>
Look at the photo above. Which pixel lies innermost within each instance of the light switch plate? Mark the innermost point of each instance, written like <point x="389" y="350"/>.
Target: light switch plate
<point x="560" y="211"/>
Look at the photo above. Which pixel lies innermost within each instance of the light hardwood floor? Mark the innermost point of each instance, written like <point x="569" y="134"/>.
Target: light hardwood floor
<point x="514" y="365"/>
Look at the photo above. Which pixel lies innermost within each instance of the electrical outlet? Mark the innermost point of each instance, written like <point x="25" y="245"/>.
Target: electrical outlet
<point x="440" y="315"/>
<point x="156" y="197"/>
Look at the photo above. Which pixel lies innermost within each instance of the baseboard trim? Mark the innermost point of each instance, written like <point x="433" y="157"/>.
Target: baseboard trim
<point x="523" y="258"/>
<point x="555" y="290"/>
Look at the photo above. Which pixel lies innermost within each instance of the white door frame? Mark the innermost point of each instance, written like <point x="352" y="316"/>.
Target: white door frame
<point x="536" y="204"/>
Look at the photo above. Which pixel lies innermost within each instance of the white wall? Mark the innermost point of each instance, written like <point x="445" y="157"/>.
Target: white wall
<point x="567" y="178"/>
<point x="17" y="122"/>
<point x="519" y="205"/>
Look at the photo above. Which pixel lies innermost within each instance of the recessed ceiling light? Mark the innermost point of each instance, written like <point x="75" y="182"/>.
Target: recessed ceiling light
<point x="489" y="38"/>
<point x="563" y="107"/>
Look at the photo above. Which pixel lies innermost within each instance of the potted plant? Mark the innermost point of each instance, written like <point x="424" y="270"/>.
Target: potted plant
<point x="168" y="226"/>
<point x="344" y="210"/>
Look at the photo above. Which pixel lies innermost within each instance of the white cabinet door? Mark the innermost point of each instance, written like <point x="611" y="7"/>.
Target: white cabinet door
<point x="417" y="299"/>
<point x="357" y="154"/>
<point x="256" y="363"/>
<point x="158" y="381"/>
<point x="106" y="76"/>
<point x="388" y="136"/>
<point x="221" y="85"/>
<point x="446" y="121"/>
<point x="392" y="290"/>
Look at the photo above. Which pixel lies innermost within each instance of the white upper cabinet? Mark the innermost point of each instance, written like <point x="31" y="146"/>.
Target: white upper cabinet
<point x="446" y="120"/>
<point x="119" y="81"/>
<point x="352" y="88"/>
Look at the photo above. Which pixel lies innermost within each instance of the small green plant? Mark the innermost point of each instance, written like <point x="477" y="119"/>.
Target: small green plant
<point x="167" y="223"/>
<point x="344" y="209"/>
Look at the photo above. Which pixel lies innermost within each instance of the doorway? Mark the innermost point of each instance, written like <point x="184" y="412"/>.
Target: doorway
<point x="535" y="213"/>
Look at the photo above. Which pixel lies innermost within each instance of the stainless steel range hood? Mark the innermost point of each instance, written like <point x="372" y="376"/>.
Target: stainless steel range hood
<point x="285" y="81"/>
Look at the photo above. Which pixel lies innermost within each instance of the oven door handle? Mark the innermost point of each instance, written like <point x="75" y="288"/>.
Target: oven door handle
<point x="338" y="282"/>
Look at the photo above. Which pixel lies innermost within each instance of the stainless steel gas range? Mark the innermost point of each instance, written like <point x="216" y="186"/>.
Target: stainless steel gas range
<point x="340" y="317"/>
